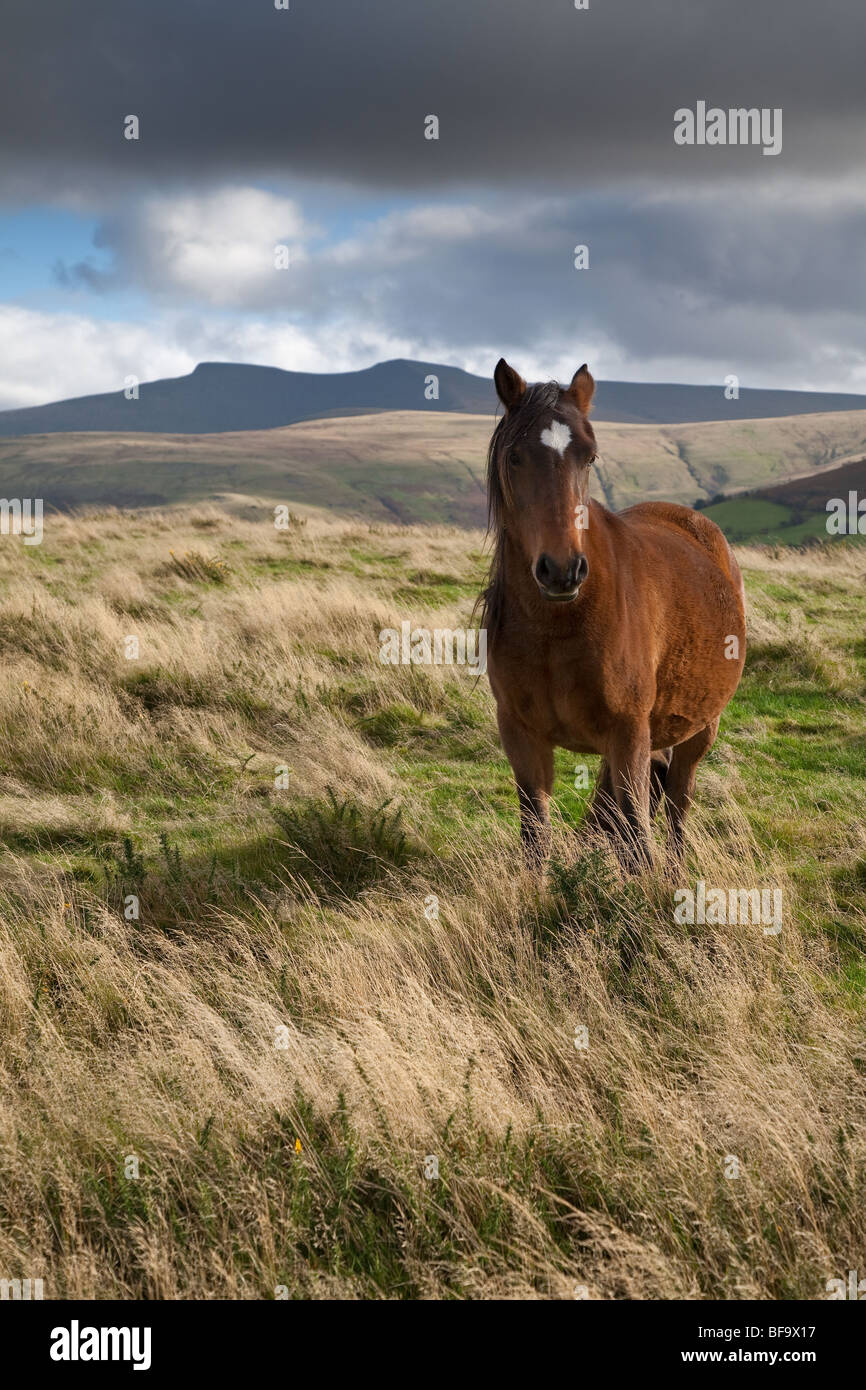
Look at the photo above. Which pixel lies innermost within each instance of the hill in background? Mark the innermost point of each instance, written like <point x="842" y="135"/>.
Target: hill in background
<point x="409" y="467"/>
<point x="792" y="512"/>
<point x="228" y="396"/>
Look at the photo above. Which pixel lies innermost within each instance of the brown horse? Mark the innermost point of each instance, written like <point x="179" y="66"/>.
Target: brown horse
<point x="619" y="634"/>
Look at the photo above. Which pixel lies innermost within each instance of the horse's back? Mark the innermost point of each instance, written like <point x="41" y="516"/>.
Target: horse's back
<point x="697" y="527"/>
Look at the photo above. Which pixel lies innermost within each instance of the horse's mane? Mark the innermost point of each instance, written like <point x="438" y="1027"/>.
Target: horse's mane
<point x="537" y="403"/>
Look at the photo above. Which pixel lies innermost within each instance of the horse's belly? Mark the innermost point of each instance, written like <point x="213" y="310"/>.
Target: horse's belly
<point x="670" y="730"/>
<point x="685" y="706"/>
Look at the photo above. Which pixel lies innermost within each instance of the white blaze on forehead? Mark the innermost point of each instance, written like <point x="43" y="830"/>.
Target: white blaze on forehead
<point x="557" y="436"/>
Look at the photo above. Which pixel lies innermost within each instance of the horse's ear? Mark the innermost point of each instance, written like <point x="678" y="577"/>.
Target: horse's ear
<point x="582" y="389"/>
<point x="509" y="384"/>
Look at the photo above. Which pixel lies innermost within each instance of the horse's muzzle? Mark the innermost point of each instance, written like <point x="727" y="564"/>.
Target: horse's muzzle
<point x="560" y="583"/>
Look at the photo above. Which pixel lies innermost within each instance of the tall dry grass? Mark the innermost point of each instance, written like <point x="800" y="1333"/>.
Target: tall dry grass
<point x="282" y="1051"/>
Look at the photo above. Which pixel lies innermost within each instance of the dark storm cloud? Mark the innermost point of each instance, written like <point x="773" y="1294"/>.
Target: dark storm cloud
<point x="261" y="126"/>
<point x="336" y="89"/>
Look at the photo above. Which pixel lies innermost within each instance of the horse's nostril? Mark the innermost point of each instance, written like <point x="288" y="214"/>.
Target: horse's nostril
<point x="575" y="572"/>
<point x="545" y="571"/>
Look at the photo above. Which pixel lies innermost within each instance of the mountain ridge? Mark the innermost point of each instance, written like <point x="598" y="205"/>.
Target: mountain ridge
<point x="226" y="397"/>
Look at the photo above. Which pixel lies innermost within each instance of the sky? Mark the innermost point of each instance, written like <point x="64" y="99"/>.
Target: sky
<point x="305" y="128"/>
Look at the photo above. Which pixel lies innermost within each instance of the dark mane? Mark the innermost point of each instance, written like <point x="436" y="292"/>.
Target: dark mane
<point x="537" y="403"/>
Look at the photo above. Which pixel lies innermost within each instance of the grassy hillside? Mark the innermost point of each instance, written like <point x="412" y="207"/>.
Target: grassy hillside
<point x="288" y="1029"/>
<point x="792" y="512"/>
<point x="407" y="467"/>
<point x="756" y="517"/>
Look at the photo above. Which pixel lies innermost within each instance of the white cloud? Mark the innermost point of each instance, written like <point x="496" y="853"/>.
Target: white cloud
<point x="219" y="246"/>
<point x="679" y="289"/>
<point x="213" y="247"/>
<point x="48" y="357"/>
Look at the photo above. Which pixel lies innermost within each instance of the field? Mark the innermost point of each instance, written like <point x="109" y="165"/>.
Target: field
<point x="408" y="467"/>
<point x="268" y="948"/>
<point x="793" y="512"/>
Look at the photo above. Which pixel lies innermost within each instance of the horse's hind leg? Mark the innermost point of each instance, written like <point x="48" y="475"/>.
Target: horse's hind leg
<point x="601" y="814"/>
<point x="660" y="761"/>
<point x="680" y="780"/>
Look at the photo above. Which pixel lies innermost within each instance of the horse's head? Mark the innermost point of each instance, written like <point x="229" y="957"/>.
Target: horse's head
<point x="538" y="476"/>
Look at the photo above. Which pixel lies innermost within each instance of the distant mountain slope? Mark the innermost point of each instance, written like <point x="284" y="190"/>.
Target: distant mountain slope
<point x="226" y="396"/>
<point x="405" y="466"/>
<point x="793" y="512"/>
<point x="220" y="397"/>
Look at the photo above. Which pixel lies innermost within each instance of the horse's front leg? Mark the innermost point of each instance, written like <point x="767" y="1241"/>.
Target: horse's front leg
<point x="531" y="759"/>
<point x="630" y="767"/>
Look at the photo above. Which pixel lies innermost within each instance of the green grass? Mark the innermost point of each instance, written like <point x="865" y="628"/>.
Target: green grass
<point x="757" y="520"/>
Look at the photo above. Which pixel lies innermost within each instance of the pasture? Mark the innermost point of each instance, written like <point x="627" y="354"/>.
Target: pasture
<point x="339" y="969"/>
